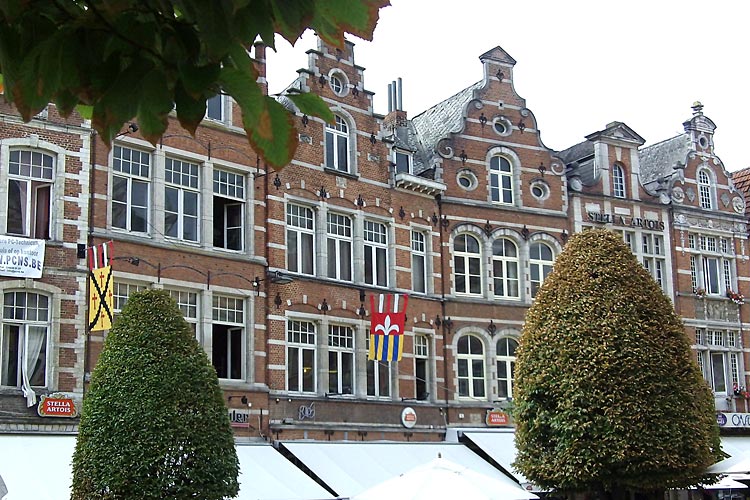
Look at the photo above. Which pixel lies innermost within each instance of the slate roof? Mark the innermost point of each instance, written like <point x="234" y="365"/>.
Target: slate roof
<point x="443" y="118"/>
<point x="741" y="180"/>
<point x="658" y="160"/>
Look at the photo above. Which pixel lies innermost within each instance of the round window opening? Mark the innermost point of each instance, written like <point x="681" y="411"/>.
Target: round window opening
<point x="467" y="180"/>
<point x="338" y="83"/>
<point x="703" y="142"/>
<point x="502" y="126"/>
<point x="540" y="190"/>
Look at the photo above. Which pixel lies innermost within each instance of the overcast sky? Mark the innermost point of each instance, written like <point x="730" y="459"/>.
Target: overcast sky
<point x="580" y="64"/>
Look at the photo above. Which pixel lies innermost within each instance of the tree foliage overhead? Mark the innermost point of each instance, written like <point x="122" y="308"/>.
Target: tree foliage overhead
<point x="608" y="393"/>
<point x="142" y="58"/>
<point x="154" y="424"/>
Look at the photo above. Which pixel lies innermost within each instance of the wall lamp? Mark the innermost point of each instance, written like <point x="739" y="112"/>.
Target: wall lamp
<point x="446" y="323"/>
<point x="243" y="399"/>
<point x="132" y="128"/>
<point x="279" y="278"/>
<point x="256" y="284"/>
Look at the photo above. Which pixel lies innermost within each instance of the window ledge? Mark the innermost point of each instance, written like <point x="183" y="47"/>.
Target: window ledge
<point x="419" y="184"/>
<point x="341" y="173"/>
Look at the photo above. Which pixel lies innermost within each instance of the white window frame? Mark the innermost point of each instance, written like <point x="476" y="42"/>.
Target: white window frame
<point x="121" y="291"/>
<point x="339" y="243"/>
<point x="33" y="313"/>
<point x="229" y="190"/>
<point x="419" y="261"/>
<point x="422" y="355"/>
<point x="301" y="339"/>
<point x="618" y="181"/>
<point x="705" y="190"/>
<point x="712" y="265"/>
<point x="188" y="302"/>
<point x="228" y="312"/>
<point x="300" y="237"/>
<point x="403" y="161"/>
<point x="182" y="178"/>
<point x="341" y="353"/>
<point x="135" y="175"/>
<point x="501" y="180"/>
<point x="506" y="360"/>
<point x="503" y="267"/>
<point x="211" y="107"/>
<point x="375" y="246"/>
<point x="337" y="145"/>
<point x="463" y="261"/>
<point x="539" y="268"/>
<point x="466" y="362"/>
<point x="33" y="171"/>
<point x="720" y="349"/>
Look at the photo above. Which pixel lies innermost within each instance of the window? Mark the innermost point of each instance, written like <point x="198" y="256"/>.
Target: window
<point x="653" y="257"/>
<point x="215" y="108"/>
<point x="470" y="367"/>
<point x="467" y="180"/>
<point x="403" y="161"/>
<point x="130" y="189"/>
<point x="505" y="268"/>
<point x="719" y="358"/>
<point x="300" y="356"/>
<point x="227" y="336"/>
<point x="337" y="145"/>
<point x="187" y="302"/>
<point x="618" y="181"/>
<point x="501" y="180"/>
<point x="421" y="367"/>
<point x="181" y="200"/>
<point x="378" y="375"/>
<point x="336" y="85"/>
<point x="467" y="265"/>
<point x="418" y="262"/>
<point x="376" y="254"/>
<point x="704" y="190"/>
<point x="121" y="292"/>
<point x="506" y="366"/>
<point x="540" y="265"/>
<point x="30" y="181"/>
<point x="229" y="208"/>
<point x="339" y="243"/>
<point x="23" y="341"/>
<point x="711" y="265"/>
<point x="340" y="360"/>
<point x="300" y="238"/>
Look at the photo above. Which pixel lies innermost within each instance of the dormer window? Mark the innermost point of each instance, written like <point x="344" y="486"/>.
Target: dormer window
<point x="618" y="181"/>
<point x="403" y="162"/>
<point x="215" y="108"/>
<point x="337" y="145"/>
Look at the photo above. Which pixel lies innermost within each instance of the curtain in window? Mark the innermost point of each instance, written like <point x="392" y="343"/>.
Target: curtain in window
<point x="33" y="344"/>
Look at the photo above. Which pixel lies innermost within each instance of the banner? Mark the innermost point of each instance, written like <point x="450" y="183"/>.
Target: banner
<point x="386" y="334"/>
<point x="100" y="287"/>
<point x="21" y="257"/>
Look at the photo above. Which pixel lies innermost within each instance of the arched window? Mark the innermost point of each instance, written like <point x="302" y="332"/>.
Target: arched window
<point x="467" y="265"/>
<point x="506" y="366"/>
<point x="540" y="265"/>
<point x="501" y="180"/>
<point x="23" y="340"/>
<point x="30" y="179"/>
<point x="618" y="181"/>
<point x="337" y="145"/>
<point x="505" y="268"/>
<point x="704" y="189"/>
<point x="470" y="367"/>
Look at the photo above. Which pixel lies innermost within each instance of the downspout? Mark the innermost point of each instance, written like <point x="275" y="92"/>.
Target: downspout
<point x="89" y="243"/>
<point x="446" y="392"/>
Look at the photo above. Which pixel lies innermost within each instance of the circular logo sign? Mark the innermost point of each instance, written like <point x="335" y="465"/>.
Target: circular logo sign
<point x="721" y="419"/>
<point x="408" y="417"/>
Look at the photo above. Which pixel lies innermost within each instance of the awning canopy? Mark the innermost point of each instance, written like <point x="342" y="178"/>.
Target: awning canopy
<point x="500" y="445"/>
<point x="349" y="468"/>
<point x="39" y="467"/>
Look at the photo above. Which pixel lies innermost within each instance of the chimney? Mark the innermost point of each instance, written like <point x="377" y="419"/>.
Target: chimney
<point x="396" y="116"/>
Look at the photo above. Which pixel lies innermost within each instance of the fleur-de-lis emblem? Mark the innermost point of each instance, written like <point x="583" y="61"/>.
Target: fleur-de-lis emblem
<point x="387" y="327"/>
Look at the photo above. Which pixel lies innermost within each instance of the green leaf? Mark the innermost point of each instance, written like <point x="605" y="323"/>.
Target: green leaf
<point x="190" y="110"/>
<point x="274" y="136"/>
<point x="155" y="103"/>
<point x="311" y="104"/>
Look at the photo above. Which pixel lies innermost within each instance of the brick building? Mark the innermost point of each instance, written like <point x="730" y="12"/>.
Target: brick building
<point x="461" y="207"/>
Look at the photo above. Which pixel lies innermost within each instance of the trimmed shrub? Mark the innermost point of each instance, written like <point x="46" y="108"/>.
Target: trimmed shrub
<point x="154" y="424"/>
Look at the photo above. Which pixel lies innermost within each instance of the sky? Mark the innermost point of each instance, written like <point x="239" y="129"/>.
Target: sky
<point x="580" y="64"/>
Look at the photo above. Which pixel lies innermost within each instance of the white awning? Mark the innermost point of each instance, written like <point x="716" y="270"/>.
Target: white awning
<point x="738" y="462"/>
<point x="39" y="467"/>
<point x="349" y="468"/>
<point x="500" y="445"/>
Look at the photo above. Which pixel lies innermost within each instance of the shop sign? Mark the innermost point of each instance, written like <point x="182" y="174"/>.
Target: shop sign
<point x="408" y="417"/>
<point x="733" y="420"/>
<point x="497" y="418"/>
<point x="623" y="220"/>
<point x="21" y="257"/>
<point x="239" y="418"/>
<point x="57" y="405"/>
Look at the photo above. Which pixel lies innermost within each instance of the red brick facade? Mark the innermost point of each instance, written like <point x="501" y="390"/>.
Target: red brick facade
<point x="461" y="207"/>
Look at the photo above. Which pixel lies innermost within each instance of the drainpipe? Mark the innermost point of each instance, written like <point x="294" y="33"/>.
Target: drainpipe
<point x="89" y="242"/>
<point x="446" y="392"/>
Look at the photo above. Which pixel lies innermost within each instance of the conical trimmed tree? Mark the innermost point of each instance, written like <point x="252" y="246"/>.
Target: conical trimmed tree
<point x="609" y="397"/>
<point x="154" y="424"/>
